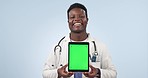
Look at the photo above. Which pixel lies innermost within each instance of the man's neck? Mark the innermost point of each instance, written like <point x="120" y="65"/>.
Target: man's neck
<point x="78" y="36"/>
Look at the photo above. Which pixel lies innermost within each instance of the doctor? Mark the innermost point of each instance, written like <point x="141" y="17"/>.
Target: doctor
<point x="100" y="61"/>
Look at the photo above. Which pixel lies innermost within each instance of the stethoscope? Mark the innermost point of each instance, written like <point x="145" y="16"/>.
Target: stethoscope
<point x="94" y="55"/>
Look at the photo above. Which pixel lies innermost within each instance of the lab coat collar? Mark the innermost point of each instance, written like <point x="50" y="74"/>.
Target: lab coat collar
<point x="67" y="38"/>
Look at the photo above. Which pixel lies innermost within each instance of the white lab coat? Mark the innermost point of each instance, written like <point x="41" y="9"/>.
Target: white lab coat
<point x="56" y="60"/>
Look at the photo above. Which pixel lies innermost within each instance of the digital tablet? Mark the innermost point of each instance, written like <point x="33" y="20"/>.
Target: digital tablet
<point x="78" y="56"/>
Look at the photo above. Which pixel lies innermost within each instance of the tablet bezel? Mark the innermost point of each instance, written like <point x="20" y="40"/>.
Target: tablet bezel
<point x="79" y="43"/>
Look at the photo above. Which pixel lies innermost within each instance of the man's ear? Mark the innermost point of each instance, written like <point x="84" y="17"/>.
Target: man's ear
<point x="87" y="19"/>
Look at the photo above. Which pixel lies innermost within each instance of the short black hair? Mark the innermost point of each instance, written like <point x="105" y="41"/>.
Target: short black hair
<point x="77" y="5"/>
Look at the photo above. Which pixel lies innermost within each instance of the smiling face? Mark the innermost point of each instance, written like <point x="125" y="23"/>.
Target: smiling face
<point x="77" y="20"/>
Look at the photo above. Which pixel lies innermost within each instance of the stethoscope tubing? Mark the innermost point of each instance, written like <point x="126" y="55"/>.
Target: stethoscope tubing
<point x="93" y="58"/>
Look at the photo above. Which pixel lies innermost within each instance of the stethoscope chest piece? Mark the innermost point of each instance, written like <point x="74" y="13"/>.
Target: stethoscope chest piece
<point x="94" y="56"/>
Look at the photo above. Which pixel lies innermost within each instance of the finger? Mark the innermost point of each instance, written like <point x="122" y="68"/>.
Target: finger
<point x="65" y="74"/>
<point x="91" y="75"/>
<point x="85" y="73"/>
<point x="62" y="71"/>
<point x="92" y="68"/>
<point x="70" y="74"/>
<point x="64" y="67"/>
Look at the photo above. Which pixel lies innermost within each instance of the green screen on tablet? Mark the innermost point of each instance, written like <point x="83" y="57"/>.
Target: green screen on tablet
<point x="78" y="56"/>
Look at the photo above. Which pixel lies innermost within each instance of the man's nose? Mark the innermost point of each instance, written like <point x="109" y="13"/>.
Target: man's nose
<point x="77" y="19"/>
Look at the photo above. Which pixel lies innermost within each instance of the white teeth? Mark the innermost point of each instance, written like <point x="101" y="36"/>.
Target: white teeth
<point x="77" y="24"/>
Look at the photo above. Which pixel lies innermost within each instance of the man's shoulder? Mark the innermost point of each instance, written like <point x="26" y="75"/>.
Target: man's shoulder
<point x="98" y="41"/>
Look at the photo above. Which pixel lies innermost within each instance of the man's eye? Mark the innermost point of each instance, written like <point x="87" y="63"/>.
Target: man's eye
<point x="72" y="17"/>
<point x="82" y="16"/>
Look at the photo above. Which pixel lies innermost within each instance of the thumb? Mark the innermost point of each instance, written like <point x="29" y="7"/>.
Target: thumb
<point x="64" y="67"/>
